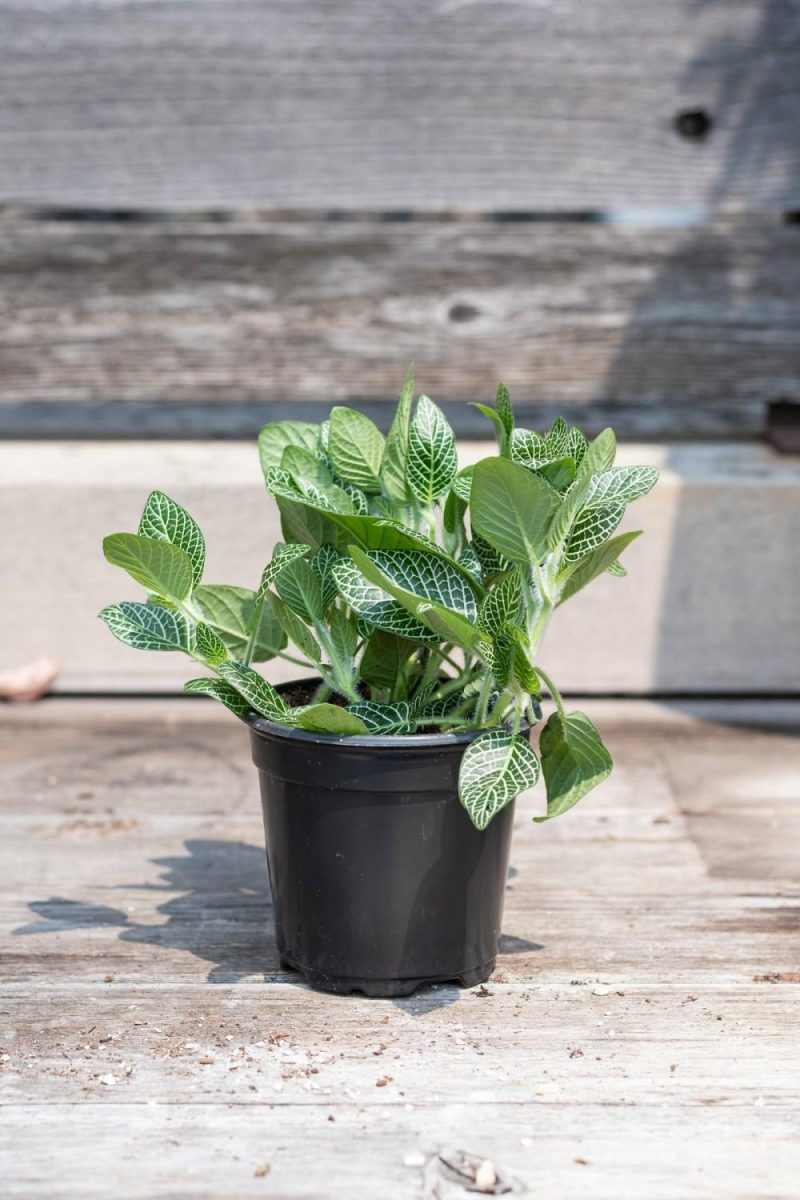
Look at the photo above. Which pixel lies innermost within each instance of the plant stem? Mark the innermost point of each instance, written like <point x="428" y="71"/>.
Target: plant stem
<point x="554" y="692"/>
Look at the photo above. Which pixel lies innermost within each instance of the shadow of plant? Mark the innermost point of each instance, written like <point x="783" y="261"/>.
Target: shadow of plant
<point x="222" y="915"/>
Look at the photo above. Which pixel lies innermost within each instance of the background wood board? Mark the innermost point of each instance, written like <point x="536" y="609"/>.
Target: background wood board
<point x="672" y="625"/>
<point x="207" y="328"/>
<point x="584" y="1070"/>
<point x="485" y="105"/>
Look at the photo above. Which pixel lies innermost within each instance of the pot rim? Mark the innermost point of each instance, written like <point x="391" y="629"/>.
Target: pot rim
<point x="365" y="741"/>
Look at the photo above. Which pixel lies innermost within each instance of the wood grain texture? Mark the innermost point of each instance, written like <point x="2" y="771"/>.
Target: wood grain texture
<point x="211" y="328"/>
<point x="478" y="105"/>
<point x="638" y="1038"/>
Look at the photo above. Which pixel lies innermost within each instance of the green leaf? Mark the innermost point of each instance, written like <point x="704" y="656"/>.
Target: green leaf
<point x="329" y="718"/>
<point x="157" y="565"/>
<point x="495" y="768"/>
<point x="384" y="657"/>
<point x="274" y="439"/>
<point x="621" y="485"/>
<point x="304" y="464"/>
<point x="165" y="521"/>
<point x="512" y="509"/>
<point x="375" y="606"/>
<point x="384" y="718"/>
<point x="574" y="760"/>
<point x="617" y="569"/>
<point x="344" y="633"/>
<point x="500" y="432"/>
<point x="260" y="695"/>
<point x="298" y="586"/>
<point x="502" y="403"/>
<point x="560" y="474"/>
<point x="294" y="628"/>
<point x="432" y="462"/>
<point x="600" y="454"/>
<point x="595" y="564"/>
<point x="282" y="556"/>
<point x="230" y="612"/>
<point x="355" y="447"/>
<point x="593" y="527"/>
<point x="501" y="604"/>
<point x="451" y="625"/>
<point x="148" y="626"/>
<point x="393" y="467"/>
<point x="223" y="692"/>
<point x="209" y="646"/>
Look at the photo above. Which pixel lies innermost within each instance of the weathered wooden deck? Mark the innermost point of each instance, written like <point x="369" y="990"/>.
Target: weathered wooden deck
<point x="639" y="1039"/>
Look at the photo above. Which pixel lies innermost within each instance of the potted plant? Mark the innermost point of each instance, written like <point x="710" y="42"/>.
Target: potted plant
<point x="416" y="596"/>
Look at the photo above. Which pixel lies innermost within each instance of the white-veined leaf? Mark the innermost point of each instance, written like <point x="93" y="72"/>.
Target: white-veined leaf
<point x="620" y="485"/>
<point x="384" y="718"/>
<point x="148" y="626"/>
<point x="577" y="445"/>
<point x="230" y="611"/>
<point x="512" y="509"/>
<point x="260" y="695"/>
<point x="617" y="569"/>
<point x="491" y="562"/>
<point x="450" y="625"/>
<point x="501" y="604"/>
<point x="431" y="462"/>
<point x="166" y="521"/>
<point x="557" y="440"/>
<point x="574" y="760"/>
<point x="428" y="577"/>
<point x="282" y="555"/>
<point x="462" y="483"/>
<point x="495" y="768"/>
<point x="209" y="646"/>
<point x="528" y="449"/>
<point x="355" y="447"/>
<point x="221" y="691"/>
<point x="593" y="527"/>
<point x="595" y="564"/>
<point x="157" y="565"/>
<point x="376" y="606"/>
<point x="322" y="565"/>
<point x="298" y="586"/>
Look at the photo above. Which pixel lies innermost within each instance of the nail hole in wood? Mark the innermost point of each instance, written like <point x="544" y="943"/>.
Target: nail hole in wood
<point x="694" y="124"/>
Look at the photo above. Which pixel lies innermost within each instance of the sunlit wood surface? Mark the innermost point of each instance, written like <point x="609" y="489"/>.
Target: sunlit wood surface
<point x="639" y="1038"/>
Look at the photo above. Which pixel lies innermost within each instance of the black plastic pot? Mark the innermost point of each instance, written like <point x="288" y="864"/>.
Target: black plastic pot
<point x="379" y="879"/>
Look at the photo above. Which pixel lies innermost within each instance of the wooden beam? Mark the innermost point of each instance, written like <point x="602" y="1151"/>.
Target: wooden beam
<point x="203" y="328"/>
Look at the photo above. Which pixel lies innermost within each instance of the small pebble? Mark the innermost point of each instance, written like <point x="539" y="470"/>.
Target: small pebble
<point x="600" y="991"/>
<point x="485" y="1176"/>
<point x="107" y="1080"/>
<point x="414" y="1159"/>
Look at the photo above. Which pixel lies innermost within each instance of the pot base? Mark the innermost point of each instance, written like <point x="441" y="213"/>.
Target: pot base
<point x="387" y="989"/>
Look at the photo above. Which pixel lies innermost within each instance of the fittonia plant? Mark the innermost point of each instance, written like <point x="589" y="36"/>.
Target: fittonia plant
<point x="418" y="593"/>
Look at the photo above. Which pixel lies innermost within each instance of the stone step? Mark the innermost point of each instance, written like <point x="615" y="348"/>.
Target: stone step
<point x="710" y="603"/>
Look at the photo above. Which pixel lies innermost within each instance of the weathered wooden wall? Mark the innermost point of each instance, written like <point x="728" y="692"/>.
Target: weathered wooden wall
<point x="663" y="332"/>
<point x="445" y="105"/>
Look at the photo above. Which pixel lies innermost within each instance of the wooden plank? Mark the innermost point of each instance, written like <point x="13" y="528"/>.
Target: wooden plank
<point x="181" y="328"/>
<point x="473" y="106"/>
<point x="670" y="627"/>
<point x="637" y="1005"/>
